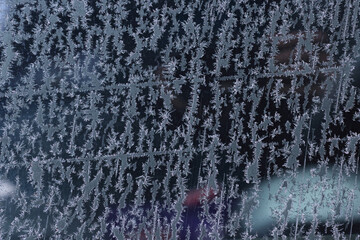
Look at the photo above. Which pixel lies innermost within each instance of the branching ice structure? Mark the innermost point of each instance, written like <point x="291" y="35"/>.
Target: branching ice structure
<point x="179" y="119"/>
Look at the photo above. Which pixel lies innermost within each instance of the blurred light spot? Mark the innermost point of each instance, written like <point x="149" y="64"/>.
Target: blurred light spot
<point x="6" y="188"/>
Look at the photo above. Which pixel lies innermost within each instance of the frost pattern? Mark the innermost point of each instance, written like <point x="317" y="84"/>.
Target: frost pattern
<point x="179" y="119"/>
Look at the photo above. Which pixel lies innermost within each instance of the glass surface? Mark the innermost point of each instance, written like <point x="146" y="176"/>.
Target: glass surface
<point x="179" y="119"/>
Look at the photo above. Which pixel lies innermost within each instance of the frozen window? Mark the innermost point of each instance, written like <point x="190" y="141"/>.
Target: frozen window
<point x="179" y="119"/>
